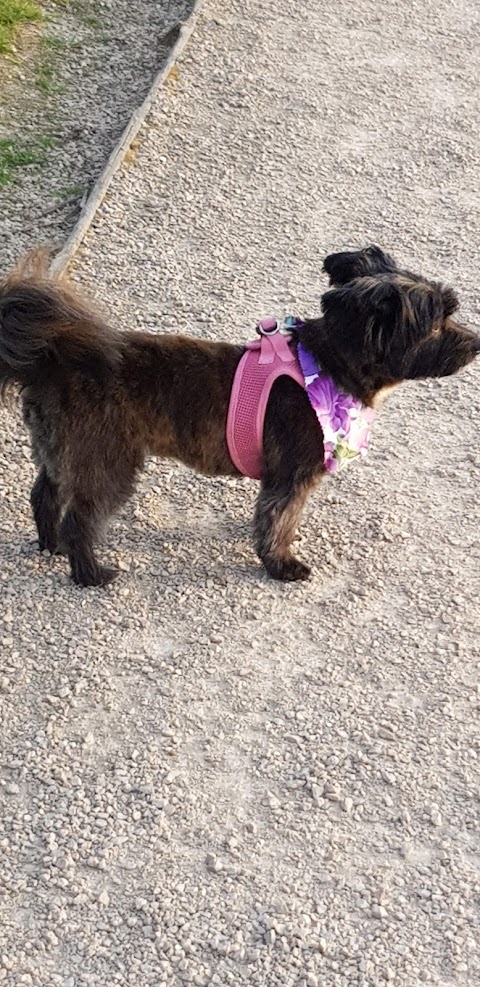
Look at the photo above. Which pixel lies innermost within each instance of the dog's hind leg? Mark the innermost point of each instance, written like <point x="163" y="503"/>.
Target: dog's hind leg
<point x="45" y="503"/>
<point x="78" y="533"/>
<point x="96" y="495"/>
<point x="277" y="516"/>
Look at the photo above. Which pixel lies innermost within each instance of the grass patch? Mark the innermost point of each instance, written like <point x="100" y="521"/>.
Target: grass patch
<point x="90" y="20"/>
<point x="46" y="143"/>
<point x="15" y="155"/>
<point x="12" y="14"/>
<point x="51" y="50"/>
<point x="69" y="192"/>
<point x="55" y="44"/>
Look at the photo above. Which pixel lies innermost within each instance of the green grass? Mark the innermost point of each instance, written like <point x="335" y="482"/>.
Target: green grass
<point x="50" y="50"/>
<point x="69" y="192"/>
<point x="46" y="143"/>
<point x="55" y="44"/>
<point x="12" y="14"/>
<point x="14" y="154"/>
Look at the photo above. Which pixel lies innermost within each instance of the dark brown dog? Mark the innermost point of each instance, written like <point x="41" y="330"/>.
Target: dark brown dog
<point x="97" y="401"/>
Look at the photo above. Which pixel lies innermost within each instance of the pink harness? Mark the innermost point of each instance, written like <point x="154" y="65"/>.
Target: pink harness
<point x="265" y="359"/>
<point x="344" y="421"/>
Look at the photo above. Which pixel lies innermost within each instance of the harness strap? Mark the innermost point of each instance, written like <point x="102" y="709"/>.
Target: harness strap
<point x="264" y="360"/>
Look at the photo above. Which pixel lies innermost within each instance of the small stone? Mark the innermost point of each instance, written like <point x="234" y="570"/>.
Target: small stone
<point x="171" y="776"/>
<point x="379" y="911"/>
<point x="104" y="898"/>
<point x="436" y="817"/>
<point x="367" y="967"/>
<point x="270" y="937"/>
<point x="213" y="863"/>
<point x="332" y="793"/>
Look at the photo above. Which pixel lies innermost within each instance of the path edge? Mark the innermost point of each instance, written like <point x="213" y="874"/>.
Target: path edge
<point x="65" y="256"/>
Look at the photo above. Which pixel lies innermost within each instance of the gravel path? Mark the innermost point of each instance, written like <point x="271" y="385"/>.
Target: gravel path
<point x="66" y="98"/>
<point x="208" y="778"/>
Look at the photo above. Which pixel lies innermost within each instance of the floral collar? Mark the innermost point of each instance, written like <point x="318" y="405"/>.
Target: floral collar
<point x="344" y="420"/>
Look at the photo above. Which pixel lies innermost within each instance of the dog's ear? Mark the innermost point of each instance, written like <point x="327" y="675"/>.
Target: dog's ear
<point x="450" y="301"/>
<point x="362" y="298"/>
<point x="346" y="266"/>
<point x="381" y="313"/>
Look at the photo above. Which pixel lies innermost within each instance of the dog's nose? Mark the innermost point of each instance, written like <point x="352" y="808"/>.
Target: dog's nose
<point x="476" y="345"/>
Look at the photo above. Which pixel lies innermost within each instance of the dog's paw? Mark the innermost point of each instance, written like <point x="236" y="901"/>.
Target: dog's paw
<point x="107" y="575"/>
<point x="53" y="550"/>
<point x="98" y="576"/>
<point x="47" y="545"/>
<point x="288" y="570"/>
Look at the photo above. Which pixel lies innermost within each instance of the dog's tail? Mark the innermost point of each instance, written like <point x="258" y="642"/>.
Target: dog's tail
<point x="45" y="326"/>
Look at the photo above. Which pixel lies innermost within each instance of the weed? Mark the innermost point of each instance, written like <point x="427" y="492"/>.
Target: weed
<point x="15" y="155"/>
<point x="55" y="44"/>
<point x="46" y="143"/>
<point x="91" y="21"/>
<point x="12" y="14"/>
<point x="69" y="192"/>
<point x="46" y="70"/>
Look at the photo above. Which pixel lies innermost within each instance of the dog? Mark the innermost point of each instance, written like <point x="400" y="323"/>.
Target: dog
<point x="97" y="400"/>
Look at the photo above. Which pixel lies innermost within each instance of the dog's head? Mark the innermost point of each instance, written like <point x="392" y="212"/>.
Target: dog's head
<point x="393" y="325"/>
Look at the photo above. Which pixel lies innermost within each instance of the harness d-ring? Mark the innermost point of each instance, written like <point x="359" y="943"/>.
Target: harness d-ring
<point x="267" y="327"/>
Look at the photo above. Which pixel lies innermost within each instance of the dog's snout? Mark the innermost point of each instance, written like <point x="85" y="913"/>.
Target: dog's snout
<point x="476" y="344"/>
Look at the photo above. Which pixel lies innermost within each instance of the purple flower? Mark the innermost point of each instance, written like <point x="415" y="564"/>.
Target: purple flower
<point x="328" y="400"/>
<point x="345" y="422"/>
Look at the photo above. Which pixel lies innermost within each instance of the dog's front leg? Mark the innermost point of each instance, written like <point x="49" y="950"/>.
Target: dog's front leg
<point x="277" y="515"/>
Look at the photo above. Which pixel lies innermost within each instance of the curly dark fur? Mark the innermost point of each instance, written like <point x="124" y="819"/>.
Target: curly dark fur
<point x="98" y="401"/>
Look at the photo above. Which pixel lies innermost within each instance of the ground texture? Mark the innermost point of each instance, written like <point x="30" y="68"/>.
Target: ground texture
<point x="208" y="778"/>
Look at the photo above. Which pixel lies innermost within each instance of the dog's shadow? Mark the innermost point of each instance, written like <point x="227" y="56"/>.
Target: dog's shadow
<point x="210" y="544"/>
<point x="199" y="533"/>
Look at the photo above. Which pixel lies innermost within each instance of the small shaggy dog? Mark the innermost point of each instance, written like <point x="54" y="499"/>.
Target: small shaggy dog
<point x="98" y="401"/>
